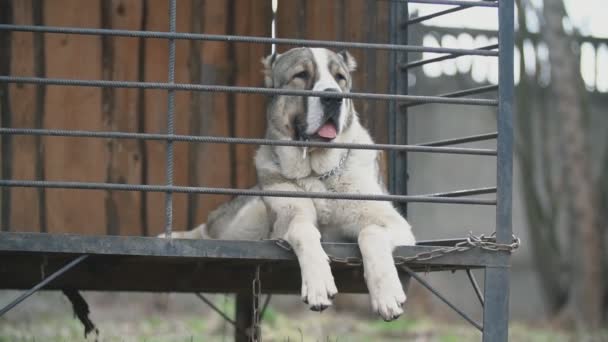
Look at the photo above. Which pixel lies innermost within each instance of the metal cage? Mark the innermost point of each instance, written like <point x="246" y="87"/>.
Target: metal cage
<point x="109" y="263"/>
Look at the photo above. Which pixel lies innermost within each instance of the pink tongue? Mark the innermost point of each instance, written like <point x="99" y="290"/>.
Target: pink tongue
<point x="327" y="131"/>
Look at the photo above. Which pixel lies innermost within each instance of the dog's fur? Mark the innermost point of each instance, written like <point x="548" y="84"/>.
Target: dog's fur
<point x="303" y="222"/>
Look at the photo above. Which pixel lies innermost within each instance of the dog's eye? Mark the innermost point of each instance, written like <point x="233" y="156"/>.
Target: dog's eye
<point x="340" y="77"/>
<point x="301" y="75"/>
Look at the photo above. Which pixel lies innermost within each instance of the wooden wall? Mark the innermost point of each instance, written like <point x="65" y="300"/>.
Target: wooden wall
<point x="134" y="110"/>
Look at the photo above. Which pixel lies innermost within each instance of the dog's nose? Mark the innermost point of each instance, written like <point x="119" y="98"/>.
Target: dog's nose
<point x="329" y="102"/>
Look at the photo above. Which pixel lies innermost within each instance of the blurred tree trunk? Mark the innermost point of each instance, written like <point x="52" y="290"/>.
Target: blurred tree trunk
<point x="567" y="87"/>
<point x="562" y="201"/>
<point x="541" y="196"/>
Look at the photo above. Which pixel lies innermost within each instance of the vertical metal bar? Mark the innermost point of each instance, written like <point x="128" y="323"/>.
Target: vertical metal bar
<point x="398" y="84"/>
<point x="170" y="120"/>
<point x="243" y="319"/>
<point x="43" y="283"/>
<point x="496" y="287"/>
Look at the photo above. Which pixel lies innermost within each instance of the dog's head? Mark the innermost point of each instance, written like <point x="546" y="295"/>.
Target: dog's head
<point x="316" y="69"/>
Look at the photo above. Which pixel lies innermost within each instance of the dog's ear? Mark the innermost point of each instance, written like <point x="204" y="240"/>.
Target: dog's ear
<point x="268" y="63"/>
<point x="349" y="60"/>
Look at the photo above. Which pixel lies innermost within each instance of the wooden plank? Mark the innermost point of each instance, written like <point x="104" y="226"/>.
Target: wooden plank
<point x="211" y="113"/>
<point x="6" y="16"/>
<point x="155" y="114"/>
<point x="291" y="21"/>
<point x="320" y="19"/>
<point x="120" y="106"/>
<point x="254" y="18"/>
<point x="24" y="202"/>
<point x="71" y="56"/>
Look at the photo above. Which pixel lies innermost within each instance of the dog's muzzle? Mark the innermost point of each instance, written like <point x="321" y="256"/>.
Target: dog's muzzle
<point x="331" y="105"/>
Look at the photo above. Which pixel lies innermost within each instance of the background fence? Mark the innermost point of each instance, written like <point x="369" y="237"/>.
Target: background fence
<point x="137" y="110"/>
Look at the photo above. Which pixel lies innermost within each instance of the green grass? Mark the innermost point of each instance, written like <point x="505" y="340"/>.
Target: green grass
<point x="302" y="326"/>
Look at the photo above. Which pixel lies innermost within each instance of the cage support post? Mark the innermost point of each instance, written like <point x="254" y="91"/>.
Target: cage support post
<point x="398" y="84"/>
<point x="496" y="285"/>
<point x="244" y="308"/>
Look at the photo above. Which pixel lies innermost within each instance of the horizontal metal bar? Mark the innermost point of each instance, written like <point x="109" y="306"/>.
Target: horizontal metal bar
<point x="238" y="39"/>
<point x="42" y="284"/>
<point x="534" y="37"/>
<point x="471" y="91"/>
<point x="207" y="249"/>
<point x="440" y="13"/>
<point x="245" y="141"/>
<point x="470" y="192"/>
<point x="234" y="89"/>
<point x="441" y="297"/>
<point x="239" y="192"/>
<point x="455" y="2"/>
<point x="442" y="58"/>
<point x="471" y="138"/>
<point x="440" y="242"/>
<point x="435" y="15"/>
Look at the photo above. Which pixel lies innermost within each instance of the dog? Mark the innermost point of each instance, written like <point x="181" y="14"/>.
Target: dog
<point x="302" y="222"/>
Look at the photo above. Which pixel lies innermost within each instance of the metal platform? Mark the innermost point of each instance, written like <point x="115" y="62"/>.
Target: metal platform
<point x="116" y="263"/>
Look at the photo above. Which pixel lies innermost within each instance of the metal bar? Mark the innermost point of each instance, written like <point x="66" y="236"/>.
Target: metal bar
<point x="496" y="284"/>
<point x="41" y="284"/>
<point x="244" y="309"/>
<point x="441" y="297"/>
<point x="245" y="90"/>
<point x="473" y="281"/>
<point x="472" y="138"/>
<point x="444" y="57"/>
<point x="470" y="192"/>
<point x="534" y="37"/>
<point x="477" y="90"/>
<point x="397" y="119"/>
<point x="504" y="175"/>
<point x="149" y="249"/>
<point x="454" y="2"/>
<point x="265" y="305"/>
<point x="239" y="39"/>
<point x="170" y="121"/>
<point x="240" y="192"/>
<point x="246" y="141"/>
<point x="440" y="13"/>
<point x="434" y="15"/>
<point x="219" y="312"/>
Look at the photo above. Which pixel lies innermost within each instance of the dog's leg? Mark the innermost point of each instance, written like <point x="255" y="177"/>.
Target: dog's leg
<point x="377" y="244"/>
<point x="295" y="222"/>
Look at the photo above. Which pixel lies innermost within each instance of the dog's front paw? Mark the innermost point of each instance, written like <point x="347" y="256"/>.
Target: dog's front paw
<point x="318" y="287"/>
<point x="387" y="297"/>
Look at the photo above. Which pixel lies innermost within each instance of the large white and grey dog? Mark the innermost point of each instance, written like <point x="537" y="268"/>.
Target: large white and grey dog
<point x="303" y="222"/>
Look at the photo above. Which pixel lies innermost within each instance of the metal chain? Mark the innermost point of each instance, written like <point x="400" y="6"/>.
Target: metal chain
<point x="485" y="242"/>
<point x="256" y="329"/>
<point x="336" y="169"/>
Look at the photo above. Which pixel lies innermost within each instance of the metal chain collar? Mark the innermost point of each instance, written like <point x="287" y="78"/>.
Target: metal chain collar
<point x="473" y="241"/>
<point x="336" y="169"/>
<point x="256" y="329"/>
